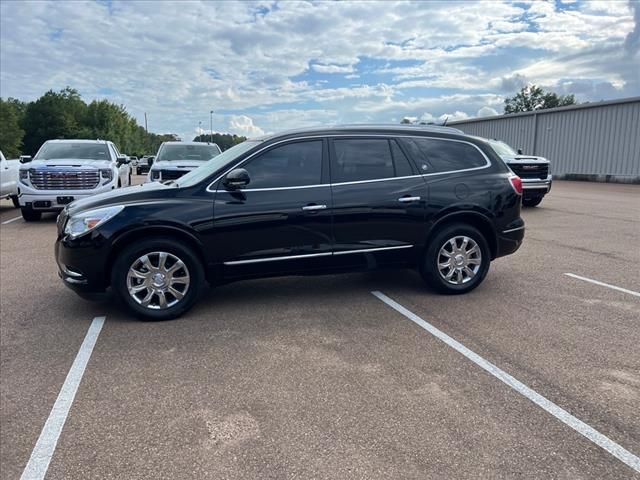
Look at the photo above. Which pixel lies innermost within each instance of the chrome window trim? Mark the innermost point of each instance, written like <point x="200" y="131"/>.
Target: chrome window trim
<point x="329" y="136"/>
<point x="310" y="255"/>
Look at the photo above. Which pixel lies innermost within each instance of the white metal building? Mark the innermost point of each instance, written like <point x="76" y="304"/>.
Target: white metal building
<point x="591" y="141"/>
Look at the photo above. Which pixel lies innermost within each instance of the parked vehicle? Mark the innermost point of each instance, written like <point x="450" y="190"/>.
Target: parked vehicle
<point x="66" y="170"/>
<point x="174" y="159"/>
<point x="144" y="164"/>
<point x="535" y="172"/>
<point x="133" y="161"/>
<point x="9" y="179"/>
<point x="303" y="202"/>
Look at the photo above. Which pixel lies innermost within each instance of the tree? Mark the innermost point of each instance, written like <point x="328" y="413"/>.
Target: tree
<point x="406" y="121"/>
<point x="532" y="98"/>
<point x="11" y="134"/>
<point x="24" y="127"/>
<point x="54" y="115"/>
<point x="223" y="140"/>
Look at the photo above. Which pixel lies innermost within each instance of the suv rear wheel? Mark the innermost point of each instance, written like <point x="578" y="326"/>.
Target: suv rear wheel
<point x="456" y="260"/>
<point x="158" y="279"/>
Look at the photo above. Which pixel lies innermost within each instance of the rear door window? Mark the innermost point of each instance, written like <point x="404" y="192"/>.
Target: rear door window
<point x="362" y="159"/>
<point x="435" y="155"/>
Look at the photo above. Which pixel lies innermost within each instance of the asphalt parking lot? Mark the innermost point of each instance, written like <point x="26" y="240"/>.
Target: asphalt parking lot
<point x="318" y="378"/>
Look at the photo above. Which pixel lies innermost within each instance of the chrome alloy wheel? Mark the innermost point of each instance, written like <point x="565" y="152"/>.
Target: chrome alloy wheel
<point x="158" y="280"/>
<point x="459" y="260"/>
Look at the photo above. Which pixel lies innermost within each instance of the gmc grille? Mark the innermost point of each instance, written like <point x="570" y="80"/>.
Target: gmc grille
<point x="172" y="174"/>
<point x="530" y="170"/>
<point x="64" y="179"/>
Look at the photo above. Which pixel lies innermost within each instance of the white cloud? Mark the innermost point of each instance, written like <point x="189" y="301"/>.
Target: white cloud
<point x="243" y="125"/>
<point x="255" y="59"/>
<point x="486" y="112"/>
<point x="332" y="68"/>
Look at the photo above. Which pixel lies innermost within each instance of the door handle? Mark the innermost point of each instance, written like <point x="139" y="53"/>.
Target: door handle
<point x="310" y="208"/>
<point x="409" y="199"/>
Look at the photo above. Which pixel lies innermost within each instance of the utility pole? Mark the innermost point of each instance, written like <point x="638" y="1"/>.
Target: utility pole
<point x="211" y="124"/>
<point x="145" y="123"/>
<point x="199" y="129"/>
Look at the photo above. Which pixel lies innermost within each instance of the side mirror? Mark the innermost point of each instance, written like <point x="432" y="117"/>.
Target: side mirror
<point x="25" y="158"/>
<point x="122" y="159"/>
<point x="519" y="151"/>
<point x="236" y="179"/>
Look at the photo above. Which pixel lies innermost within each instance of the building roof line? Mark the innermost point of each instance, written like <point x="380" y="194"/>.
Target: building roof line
<point x="543" y="111"/>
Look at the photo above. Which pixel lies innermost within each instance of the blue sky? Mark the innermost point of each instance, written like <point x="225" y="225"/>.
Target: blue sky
<point x="265" y="66"/>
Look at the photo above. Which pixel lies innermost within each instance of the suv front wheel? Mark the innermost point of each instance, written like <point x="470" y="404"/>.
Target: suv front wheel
<point x="456" y="260"/>
<point x="158" y="279"/>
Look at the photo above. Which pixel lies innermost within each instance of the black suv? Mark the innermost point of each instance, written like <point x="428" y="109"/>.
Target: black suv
<point x="301" y="202"/>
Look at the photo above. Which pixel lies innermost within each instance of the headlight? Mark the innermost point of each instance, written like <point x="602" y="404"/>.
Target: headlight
<point x="155" y="175"/>
<point x="84" y="222"/>
<point x="24" y="176"/>
<point x="107" y="174"/>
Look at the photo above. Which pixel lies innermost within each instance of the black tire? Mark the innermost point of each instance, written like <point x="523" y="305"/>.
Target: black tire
<point x="15" y="201"/>
<point x="429" y="268"/>
<point x="30" y="215"/>
<point x="127" y="258"/>
<point x="531" y="202"/>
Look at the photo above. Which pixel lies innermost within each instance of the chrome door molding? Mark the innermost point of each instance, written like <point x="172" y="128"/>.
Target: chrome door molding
<point x="313" y="255"/>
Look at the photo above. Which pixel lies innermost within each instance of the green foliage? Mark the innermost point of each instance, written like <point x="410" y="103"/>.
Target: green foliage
<point x="24" y="127"/>
<point x="223" y="140"/>
<point x="532" y="98"/>
<point x="11" y="134"/>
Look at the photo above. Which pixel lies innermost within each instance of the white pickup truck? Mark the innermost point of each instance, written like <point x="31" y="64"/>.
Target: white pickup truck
<point x="65" y="170"/>
<point x="9" y="179"/>
<point x="535" y="172"/>
<point x="174" y="159"/>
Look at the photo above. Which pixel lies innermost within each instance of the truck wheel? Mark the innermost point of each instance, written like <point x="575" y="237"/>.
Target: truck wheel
<point x="15" y="201"/>
<point x="158" y="279"/>
<point x="456" y="259"/>
<point x="531" y="202"/>
<point x="30" y="215"/>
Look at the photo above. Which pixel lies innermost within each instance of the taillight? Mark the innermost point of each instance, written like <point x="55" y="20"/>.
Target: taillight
<point x="516" y="183"/>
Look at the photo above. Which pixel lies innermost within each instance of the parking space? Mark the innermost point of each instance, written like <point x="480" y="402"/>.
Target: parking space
<point x="319" y="378"/>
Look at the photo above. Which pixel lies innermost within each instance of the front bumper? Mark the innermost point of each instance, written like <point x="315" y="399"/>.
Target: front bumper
<point x="82" y="266"/>
<point x="56" y="200"/>
<point x="537" y="187"/>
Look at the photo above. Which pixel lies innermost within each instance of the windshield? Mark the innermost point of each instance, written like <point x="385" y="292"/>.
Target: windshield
<point x="80" y="151"/>
<point x="173" y="152"/>
<point x="215" y="164"/>
<point x="502" y="148"/>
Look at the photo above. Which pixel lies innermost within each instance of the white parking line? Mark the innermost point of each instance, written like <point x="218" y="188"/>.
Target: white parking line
<point x="38" y="464"/>
<point x="602" y="284"/>
<point x="578" y="425"/>
<point x="11" y="220"/>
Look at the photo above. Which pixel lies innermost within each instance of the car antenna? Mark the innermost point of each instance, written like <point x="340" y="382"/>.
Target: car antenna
<point x="446" y="119"/>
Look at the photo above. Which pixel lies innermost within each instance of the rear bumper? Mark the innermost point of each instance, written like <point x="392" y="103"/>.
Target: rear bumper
<point x="510" y="239"/>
